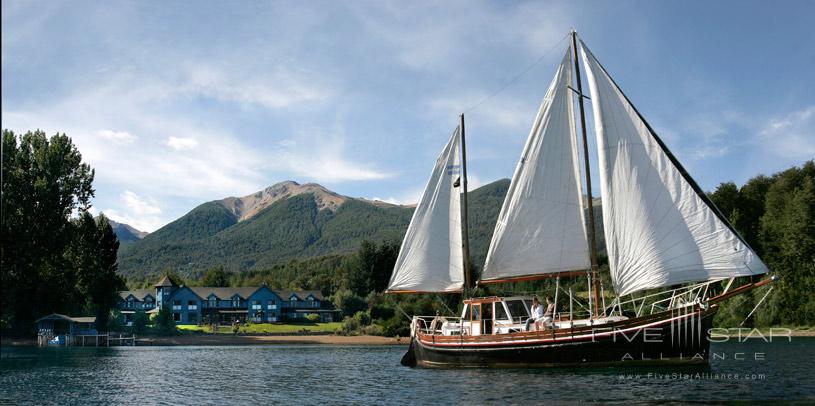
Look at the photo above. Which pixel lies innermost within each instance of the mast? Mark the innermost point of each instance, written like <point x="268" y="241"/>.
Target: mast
<point x="465" y="234"/>
<point x="592" y="233"/>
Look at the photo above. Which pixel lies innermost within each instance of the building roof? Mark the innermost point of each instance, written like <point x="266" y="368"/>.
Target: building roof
<point x="56" y="316"/>
<point x="138" y="293"/>
<point x="245" y="292"/>
<point x="301" y="294"/>
<point x="224" y="293"/>
<point x="165" y="281"/>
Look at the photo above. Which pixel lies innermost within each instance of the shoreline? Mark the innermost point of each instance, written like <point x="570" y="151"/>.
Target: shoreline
<point x="314" y="339"/>
<point x="239" y="340"/>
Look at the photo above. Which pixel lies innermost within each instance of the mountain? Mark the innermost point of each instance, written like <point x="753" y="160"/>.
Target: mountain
<point x="283" y="222"/>
<point x="126" y="233"/>
<point x="289" y="221"/>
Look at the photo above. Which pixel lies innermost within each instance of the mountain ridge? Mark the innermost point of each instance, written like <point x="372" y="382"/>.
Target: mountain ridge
<point x="125" y="232"/>
<point x="289" y="221"/>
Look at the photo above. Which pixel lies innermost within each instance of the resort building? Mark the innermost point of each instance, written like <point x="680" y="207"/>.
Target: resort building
<point x="196" y="305"/>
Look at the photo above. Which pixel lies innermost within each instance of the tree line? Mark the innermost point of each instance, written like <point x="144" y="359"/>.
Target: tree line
<point x="55" y="257"/>
<point x="776" y="216"/>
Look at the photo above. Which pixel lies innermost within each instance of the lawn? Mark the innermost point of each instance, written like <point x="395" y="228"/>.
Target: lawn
<point x="262" y="328"/>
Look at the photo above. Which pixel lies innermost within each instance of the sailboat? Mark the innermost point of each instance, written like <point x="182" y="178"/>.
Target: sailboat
<point x="670" y="250"/>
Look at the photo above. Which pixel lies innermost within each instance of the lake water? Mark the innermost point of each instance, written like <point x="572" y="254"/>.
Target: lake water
<point x="311" y="374"/>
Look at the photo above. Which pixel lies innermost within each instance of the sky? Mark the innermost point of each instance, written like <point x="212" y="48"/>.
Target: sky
<point x="179" y="103"/>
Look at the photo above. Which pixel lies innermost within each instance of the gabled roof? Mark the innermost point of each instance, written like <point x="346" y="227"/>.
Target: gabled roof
<point x="224" y="293"/>
<point x="139" y="294"/>
<point x="164" y="282"/>
<point x="301" y="295"/>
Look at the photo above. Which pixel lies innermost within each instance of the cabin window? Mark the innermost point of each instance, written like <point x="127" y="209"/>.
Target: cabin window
<point x="466" y="312"/>
<point x="500" y="312"/>
<point x="476" y="312"/>
<point x="517" y="309"/>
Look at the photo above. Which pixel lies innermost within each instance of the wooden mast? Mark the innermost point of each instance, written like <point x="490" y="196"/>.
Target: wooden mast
<point x="592" y="237"/>
<point x="465" y="233"/>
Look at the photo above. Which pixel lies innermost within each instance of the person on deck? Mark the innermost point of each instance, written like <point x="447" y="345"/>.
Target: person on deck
<point x="549" y="313"/>
<point x="536" y="312"/>
<point x="539" y="314"/>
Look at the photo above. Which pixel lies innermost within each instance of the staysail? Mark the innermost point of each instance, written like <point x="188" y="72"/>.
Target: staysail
<point x="660" y="228"/>
<point x="431" y="259"/>
<point x="540" y="228"/>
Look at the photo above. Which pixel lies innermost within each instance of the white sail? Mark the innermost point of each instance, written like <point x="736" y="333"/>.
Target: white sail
<point x="541" y="228"/>
<point x="660" y="228"/>
<point x="431" y="258"/>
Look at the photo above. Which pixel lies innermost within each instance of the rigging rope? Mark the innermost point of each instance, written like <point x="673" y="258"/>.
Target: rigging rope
<point x="518" y="76"/>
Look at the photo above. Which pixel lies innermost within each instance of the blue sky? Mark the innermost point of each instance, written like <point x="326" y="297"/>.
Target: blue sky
<point x="177" y="103"/>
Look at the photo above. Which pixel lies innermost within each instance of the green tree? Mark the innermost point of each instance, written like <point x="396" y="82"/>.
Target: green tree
<point x="164" y="322"/>
<point x="93" y="259"/>
<point x="44" y="183"/>
<point x="215" y="277"/>
<point x="348" y="302"/>
<point x="140" y="321"/>
<point x="372" y="267"/>
<point x="116" y="321"/>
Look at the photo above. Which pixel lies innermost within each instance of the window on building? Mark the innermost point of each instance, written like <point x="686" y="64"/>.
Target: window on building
<point x="256" y="305"/>
<point x="177" y="317"/>
<point x="213" y="302"/>
<point x="271" y="306"/>
<point x="176" y="305"/>
<point x="236" y="302"/>
<point x="192" y="305"/>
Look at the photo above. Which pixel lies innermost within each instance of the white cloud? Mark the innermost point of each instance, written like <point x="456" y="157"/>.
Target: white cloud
<point x="500" y="112"/>
<point x="181" y="143"/>
<point x="143" y="213"/>
<point x="117" y="137"/>
<point x="323" y="158"/>
<point x="791" y="136"/>
<point x="275" y="89"/>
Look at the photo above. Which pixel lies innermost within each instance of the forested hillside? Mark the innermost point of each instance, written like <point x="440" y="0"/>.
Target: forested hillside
<point x="776" y="215"/>
<point x="292" y="228"/>
<point x="298" y="227"/>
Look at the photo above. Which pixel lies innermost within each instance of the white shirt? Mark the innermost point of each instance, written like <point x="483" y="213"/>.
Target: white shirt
<point x="537" y="311"/>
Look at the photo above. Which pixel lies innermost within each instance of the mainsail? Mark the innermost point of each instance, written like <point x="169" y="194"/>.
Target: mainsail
<point x="431" y="258"/>
<point x="541" y="228"/>
<point x="660" y="228"/>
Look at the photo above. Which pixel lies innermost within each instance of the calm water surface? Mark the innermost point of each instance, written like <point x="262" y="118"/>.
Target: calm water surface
<point x="355" y="375"/>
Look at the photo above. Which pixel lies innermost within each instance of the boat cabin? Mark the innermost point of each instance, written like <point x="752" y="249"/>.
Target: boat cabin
<point x="493" y="315"/>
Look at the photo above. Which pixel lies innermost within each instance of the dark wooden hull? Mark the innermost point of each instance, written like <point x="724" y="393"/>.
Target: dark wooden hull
<point x="672" y="337"/>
